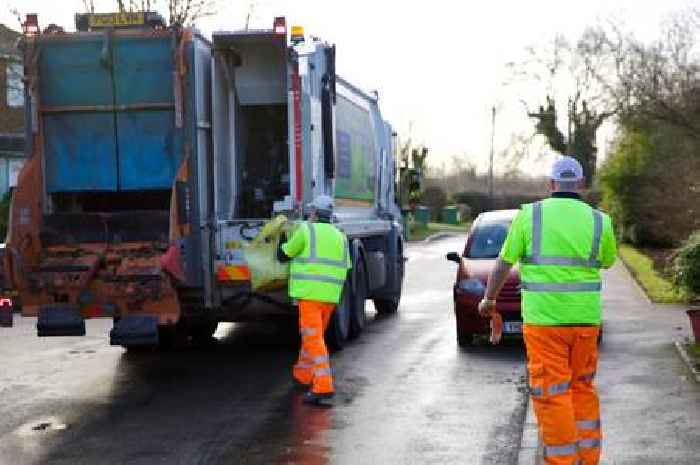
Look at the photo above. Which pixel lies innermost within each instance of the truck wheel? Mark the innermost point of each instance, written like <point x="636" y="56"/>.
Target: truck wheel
<point x="202" y="333"/>
<point x="388" y="306"/>
<point x="358" y="316"/>
<point x="339" y="327"/>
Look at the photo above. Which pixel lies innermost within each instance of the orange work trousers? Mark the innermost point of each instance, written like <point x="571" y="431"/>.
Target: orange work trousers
<point x="562" y="363"/>
<point x="313" y="366"/>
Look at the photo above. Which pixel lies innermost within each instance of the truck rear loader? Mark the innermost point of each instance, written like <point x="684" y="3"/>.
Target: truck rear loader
<point x="155" y="155"/>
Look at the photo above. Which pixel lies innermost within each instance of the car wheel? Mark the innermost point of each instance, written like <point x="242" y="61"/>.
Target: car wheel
<point x="465" y="339"/>
<point x="339" y="327"/>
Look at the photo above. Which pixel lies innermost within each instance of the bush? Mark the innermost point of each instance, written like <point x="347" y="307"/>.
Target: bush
<point x="435" y="199"/>
<point x="480" y="202"/>
<point x="649" y="186"/>
<point x="686" y="265"/>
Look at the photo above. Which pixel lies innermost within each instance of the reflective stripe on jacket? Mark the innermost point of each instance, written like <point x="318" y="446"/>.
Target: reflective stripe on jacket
<point x="560" y="266"/>
<point x="319" y="266"/>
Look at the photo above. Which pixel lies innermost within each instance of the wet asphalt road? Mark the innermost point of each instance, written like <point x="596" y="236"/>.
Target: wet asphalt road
<point x="406" y="393"/>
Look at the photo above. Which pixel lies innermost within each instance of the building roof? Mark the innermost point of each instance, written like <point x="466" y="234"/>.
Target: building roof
<point x="8" y="41"/>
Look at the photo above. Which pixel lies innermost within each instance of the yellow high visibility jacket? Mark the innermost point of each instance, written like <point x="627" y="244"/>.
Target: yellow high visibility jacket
<point x="561" y="244"/>
<point x="320" y="262"/>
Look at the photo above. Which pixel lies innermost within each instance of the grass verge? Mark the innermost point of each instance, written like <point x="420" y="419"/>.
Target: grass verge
<point x="694" y="350"/>
<point x="658" y="288"/>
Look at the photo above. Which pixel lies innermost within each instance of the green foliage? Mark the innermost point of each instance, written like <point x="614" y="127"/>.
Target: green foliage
<point x="649" y="184"/>
<point x="435" y="198"/>
<point x="619" y="178"/>
<point x="480" y="202"/>
<point x="656" y="286"/>
<point x="686" y="265"/>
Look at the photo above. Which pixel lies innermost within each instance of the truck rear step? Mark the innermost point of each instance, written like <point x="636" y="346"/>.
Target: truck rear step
<point x="60" y="320"/>
<point x="135" y="330"/>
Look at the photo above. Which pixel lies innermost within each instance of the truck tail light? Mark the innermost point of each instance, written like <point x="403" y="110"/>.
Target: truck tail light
<point x="31" y="24"/>
<point x="280" y="26"/>
<point x="5" y="302"/>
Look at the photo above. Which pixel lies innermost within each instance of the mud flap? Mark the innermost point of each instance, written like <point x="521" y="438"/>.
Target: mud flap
<point x="135" y="330"/>
<point x="60" y="320"/>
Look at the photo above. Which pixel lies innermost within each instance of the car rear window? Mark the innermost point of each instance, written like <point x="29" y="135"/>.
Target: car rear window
<point x="487" y="239"/>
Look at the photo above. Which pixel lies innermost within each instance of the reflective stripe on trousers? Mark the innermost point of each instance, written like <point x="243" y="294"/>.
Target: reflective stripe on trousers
<point x="313" y="366"/>
<point x="561" y="361"/>
<point x="560" y="388"/>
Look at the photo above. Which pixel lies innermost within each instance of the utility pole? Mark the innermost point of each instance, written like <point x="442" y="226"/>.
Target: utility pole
<point x="493" y="136"/>
<point x="251" y="8"/>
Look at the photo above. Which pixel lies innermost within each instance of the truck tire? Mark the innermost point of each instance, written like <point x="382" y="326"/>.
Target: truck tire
<point x="358" y="315"/>
<point x="338" y="330"/>
<point x="202" y="332"/>
<point x="390" y="305"/>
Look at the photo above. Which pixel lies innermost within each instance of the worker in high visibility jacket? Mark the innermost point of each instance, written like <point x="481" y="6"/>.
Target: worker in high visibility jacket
<point x="320" y="262"/>
<point x="561" y="244"/>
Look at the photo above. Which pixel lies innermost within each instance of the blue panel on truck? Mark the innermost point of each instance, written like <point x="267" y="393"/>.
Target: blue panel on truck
<point x="80" y="147"/>
<point x="75" y="73"/>
<point x="143" y="70"/>
<point x="150" y="147"/>
<point x="149" y="150"/>
<point x="80" y="152"/>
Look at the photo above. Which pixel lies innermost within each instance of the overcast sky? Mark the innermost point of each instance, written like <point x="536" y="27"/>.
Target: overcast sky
<point x="438" y="65"/>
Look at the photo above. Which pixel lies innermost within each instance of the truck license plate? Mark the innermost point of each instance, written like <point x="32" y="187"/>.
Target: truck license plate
<point x="513" y="327"/>
<point x="116" y="19"/>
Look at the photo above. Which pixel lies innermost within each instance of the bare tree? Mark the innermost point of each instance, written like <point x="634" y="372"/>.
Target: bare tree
<point x="660" y="80"/>
<point x="572" y="70"/>
<point x="142" y="5"/>
<point x="179" y="12"/>
<point x="185" y="12"/>
<point x="89" y="6"/>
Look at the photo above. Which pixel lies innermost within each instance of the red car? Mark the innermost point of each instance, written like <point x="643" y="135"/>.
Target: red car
<point x="484" y="243"/>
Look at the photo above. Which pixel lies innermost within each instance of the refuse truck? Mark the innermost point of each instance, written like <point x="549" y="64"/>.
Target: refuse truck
<point x="155" y="159"/>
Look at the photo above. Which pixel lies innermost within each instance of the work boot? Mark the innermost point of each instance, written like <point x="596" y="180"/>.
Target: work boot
<point x="314" y="398"/>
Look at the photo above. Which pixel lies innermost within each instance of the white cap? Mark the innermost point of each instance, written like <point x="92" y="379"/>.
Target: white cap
<point x="566" y="168"/>
<point x="323" y="204"/>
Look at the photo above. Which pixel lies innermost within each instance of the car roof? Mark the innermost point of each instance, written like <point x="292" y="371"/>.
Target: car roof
<point x="497" y="216"/>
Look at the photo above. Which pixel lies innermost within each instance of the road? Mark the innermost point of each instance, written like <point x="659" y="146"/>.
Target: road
<point x="406" y="393"/>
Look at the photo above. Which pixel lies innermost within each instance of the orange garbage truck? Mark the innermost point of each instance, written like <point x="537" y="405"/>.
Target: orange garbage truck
<point x="156" y="156"/>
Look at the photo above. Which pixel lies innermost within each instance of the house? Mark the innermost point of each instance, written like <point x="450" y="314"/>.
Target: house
<point x="11" y="108"/>
<point x="11" y="85"/>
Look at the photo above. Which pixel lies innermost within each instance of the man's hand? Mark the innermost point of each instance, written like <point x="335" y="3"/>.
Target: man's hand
<point x="486" y="307"/>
